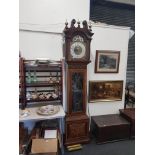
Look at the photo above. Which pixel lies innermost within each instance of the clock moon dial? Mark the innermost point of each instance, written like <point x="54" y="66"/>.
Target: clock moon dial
<point x="77" y="50"/>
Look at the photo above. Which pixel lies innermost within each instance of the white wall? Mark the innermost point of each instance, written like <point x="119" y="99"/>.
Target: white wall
<point x="108" y="38"/>
<point x="52" y="11"/>
<point x="47" y="16"/>
<point x="40" y="45"/>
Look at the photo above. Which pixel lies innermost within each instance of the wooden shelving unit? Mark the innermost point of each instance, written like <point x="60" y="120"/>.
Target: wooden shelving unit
<point x="40" y="82"/>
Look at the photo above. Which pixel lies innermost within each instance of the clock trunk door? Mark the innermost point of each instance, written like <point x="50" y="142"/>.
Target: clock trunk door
<point x="77" y="91"/>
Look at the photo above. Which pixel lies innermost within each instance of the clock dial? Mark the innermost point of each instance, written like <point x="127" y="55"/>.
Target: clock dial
<point x="78" y="50"/>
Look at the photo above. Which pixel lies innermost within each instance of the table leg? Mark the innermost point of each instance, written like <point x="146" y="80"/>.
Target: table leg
<point x="61" y="128"/>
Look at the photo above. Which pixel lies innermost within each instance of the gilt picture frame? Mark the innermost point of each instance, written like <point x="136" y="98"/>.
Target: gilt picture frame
<point x="101" y="91"/>
<point x="107" y="61"/>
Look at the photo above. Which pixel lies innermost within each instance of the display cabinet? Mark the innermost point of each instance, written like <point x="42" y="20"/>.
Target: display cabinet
<point x="41" y="82"/>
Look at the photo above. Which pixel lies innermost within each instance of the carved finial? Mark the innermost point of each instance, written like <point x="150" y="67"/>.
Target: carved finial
<point x="73" y="22"/>
<point x="78" y="22"/>
<point x="85" y="25"/>
<point x="66" y="23"/>
<point x="19" y="54"/>
<point x="90" y="26"/>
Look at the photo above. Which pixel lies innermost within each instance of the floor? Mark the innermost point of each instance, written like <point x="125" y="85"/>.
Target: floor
<point x="126" y="147"/>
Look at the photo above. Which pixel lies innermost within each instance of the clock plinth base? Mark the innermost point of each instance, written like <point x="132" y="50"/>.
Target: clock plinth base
<point x="77" y="130"/>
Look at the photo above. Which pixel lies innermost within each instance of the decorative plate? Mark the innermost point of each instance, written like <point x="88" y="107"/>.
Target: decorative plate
<point x="24" y="113"/>
<point x="42" y="60"/>
<point x="48" y="110"/>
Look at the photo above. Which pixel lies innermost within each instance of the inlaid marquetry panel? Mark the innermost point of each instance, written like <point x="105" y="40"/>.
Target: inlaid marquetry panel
<point x="77" y="130"/>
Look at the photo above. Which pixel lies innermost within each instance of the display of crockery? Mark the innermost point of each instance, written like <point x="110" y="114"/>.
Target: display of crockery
<point x="41" y="96"/>
<point x="54" y="95"/>
<point x="54" y="62"/>
<point x="48" y="95"/>
<point x="24" y="113"/>
<point x="42" y="60"/>
<point x="48" y="110"/>
<point x="31" y="63"/>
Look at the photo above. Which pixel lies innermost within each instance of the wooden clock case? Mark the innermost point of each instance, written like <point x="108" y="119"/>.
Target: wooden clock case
<point x="77" y="121"/>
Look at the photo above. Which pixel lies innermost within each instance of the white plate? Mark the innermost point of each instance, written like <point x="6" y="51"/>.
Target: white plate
<point x="42" y="60"/>
<point x="24" y="113"/>
<point x="48" y="110"/>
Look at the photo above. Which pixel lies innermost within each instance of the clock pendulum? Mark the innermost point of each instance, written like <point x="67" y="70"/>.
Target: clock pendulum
<point x="77" y="57"/>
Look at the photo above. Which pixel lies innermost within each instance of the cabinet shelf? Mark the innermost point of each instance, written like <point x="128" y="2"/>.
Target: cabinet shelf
<point x="44" y="76"/>
<point x="42" y="84"/>
<point x="43" y="100"/>
<point x="41" y="91"/>
<point x="43" y="68"/>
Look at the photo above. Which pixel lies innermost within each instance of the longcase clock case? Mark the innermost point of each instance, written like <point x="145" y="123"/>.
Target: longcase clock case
<point x="77" y="121"/>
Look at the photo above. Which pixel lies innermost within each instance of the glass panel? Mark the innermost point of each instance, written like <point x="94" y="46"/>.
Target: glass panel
<point x="77" y="95"/>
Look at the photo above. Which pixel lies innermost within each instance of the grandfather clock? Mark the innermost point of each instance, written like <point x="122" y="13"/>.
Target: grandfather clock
<point x="77" y="56"/>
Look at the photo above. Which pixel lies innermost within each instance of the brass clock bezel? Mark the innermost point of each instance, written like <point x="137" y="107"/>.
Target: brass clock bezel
<point x="74" y="55"/>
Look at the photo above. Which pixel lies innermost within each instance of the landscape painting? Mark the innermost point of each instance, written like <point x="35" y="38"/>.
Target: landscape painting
<point x="107" y="61"/>
<point x="105" y="91"/>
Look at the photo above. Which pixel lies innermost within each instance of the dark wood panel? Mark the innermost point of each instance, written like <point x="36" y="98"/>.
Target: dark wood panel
<point x="77" y="130"/>
<point x="129" y="114"/>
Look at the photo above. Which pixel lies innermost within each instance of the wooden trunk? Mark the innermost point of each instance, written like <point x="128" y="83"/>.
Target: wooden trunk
<point x="110" y="128"/>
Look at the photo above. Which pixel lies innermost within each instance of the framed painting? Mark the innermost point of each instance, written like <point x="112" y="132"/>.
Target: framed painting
<point x="107" y="61"/>
<point x="105" y="91"/>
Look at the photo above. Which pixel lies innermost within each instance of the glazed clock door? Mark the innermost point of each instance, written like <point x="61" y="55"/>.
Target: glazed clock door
<point x="77" y="97"/>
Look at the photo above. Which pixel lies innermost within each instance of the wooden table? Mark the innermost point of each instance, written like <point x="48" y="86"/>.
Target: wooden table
<point x="129" y="114"/>
<point x="36" y="117"/>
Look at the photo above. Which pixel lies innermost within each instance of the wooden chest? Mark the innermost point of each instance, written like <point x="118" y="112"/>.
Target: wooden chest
<point x="110" y="128"/>
<point x="129" y="114"/>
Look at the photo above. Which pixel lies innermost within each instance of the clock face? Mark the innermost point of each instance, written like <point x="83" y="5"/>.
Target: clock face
<point x="78" y="50"/>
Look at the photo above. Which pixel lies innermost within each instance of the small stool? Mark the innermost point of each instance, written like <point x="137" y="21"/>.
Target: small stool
<point x="109" y="128"/>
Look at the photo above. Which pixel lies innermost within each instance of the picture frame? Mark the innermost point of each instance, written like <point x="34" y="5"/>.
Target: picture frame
<point x="101" y="91"/>
<point x="107" y="61"/>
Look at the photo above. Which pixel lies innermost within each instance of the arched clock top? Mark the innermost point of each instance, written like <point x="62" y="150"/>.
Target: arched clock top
<point x="77" y="41"/>
<point x="84" y="28"/>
